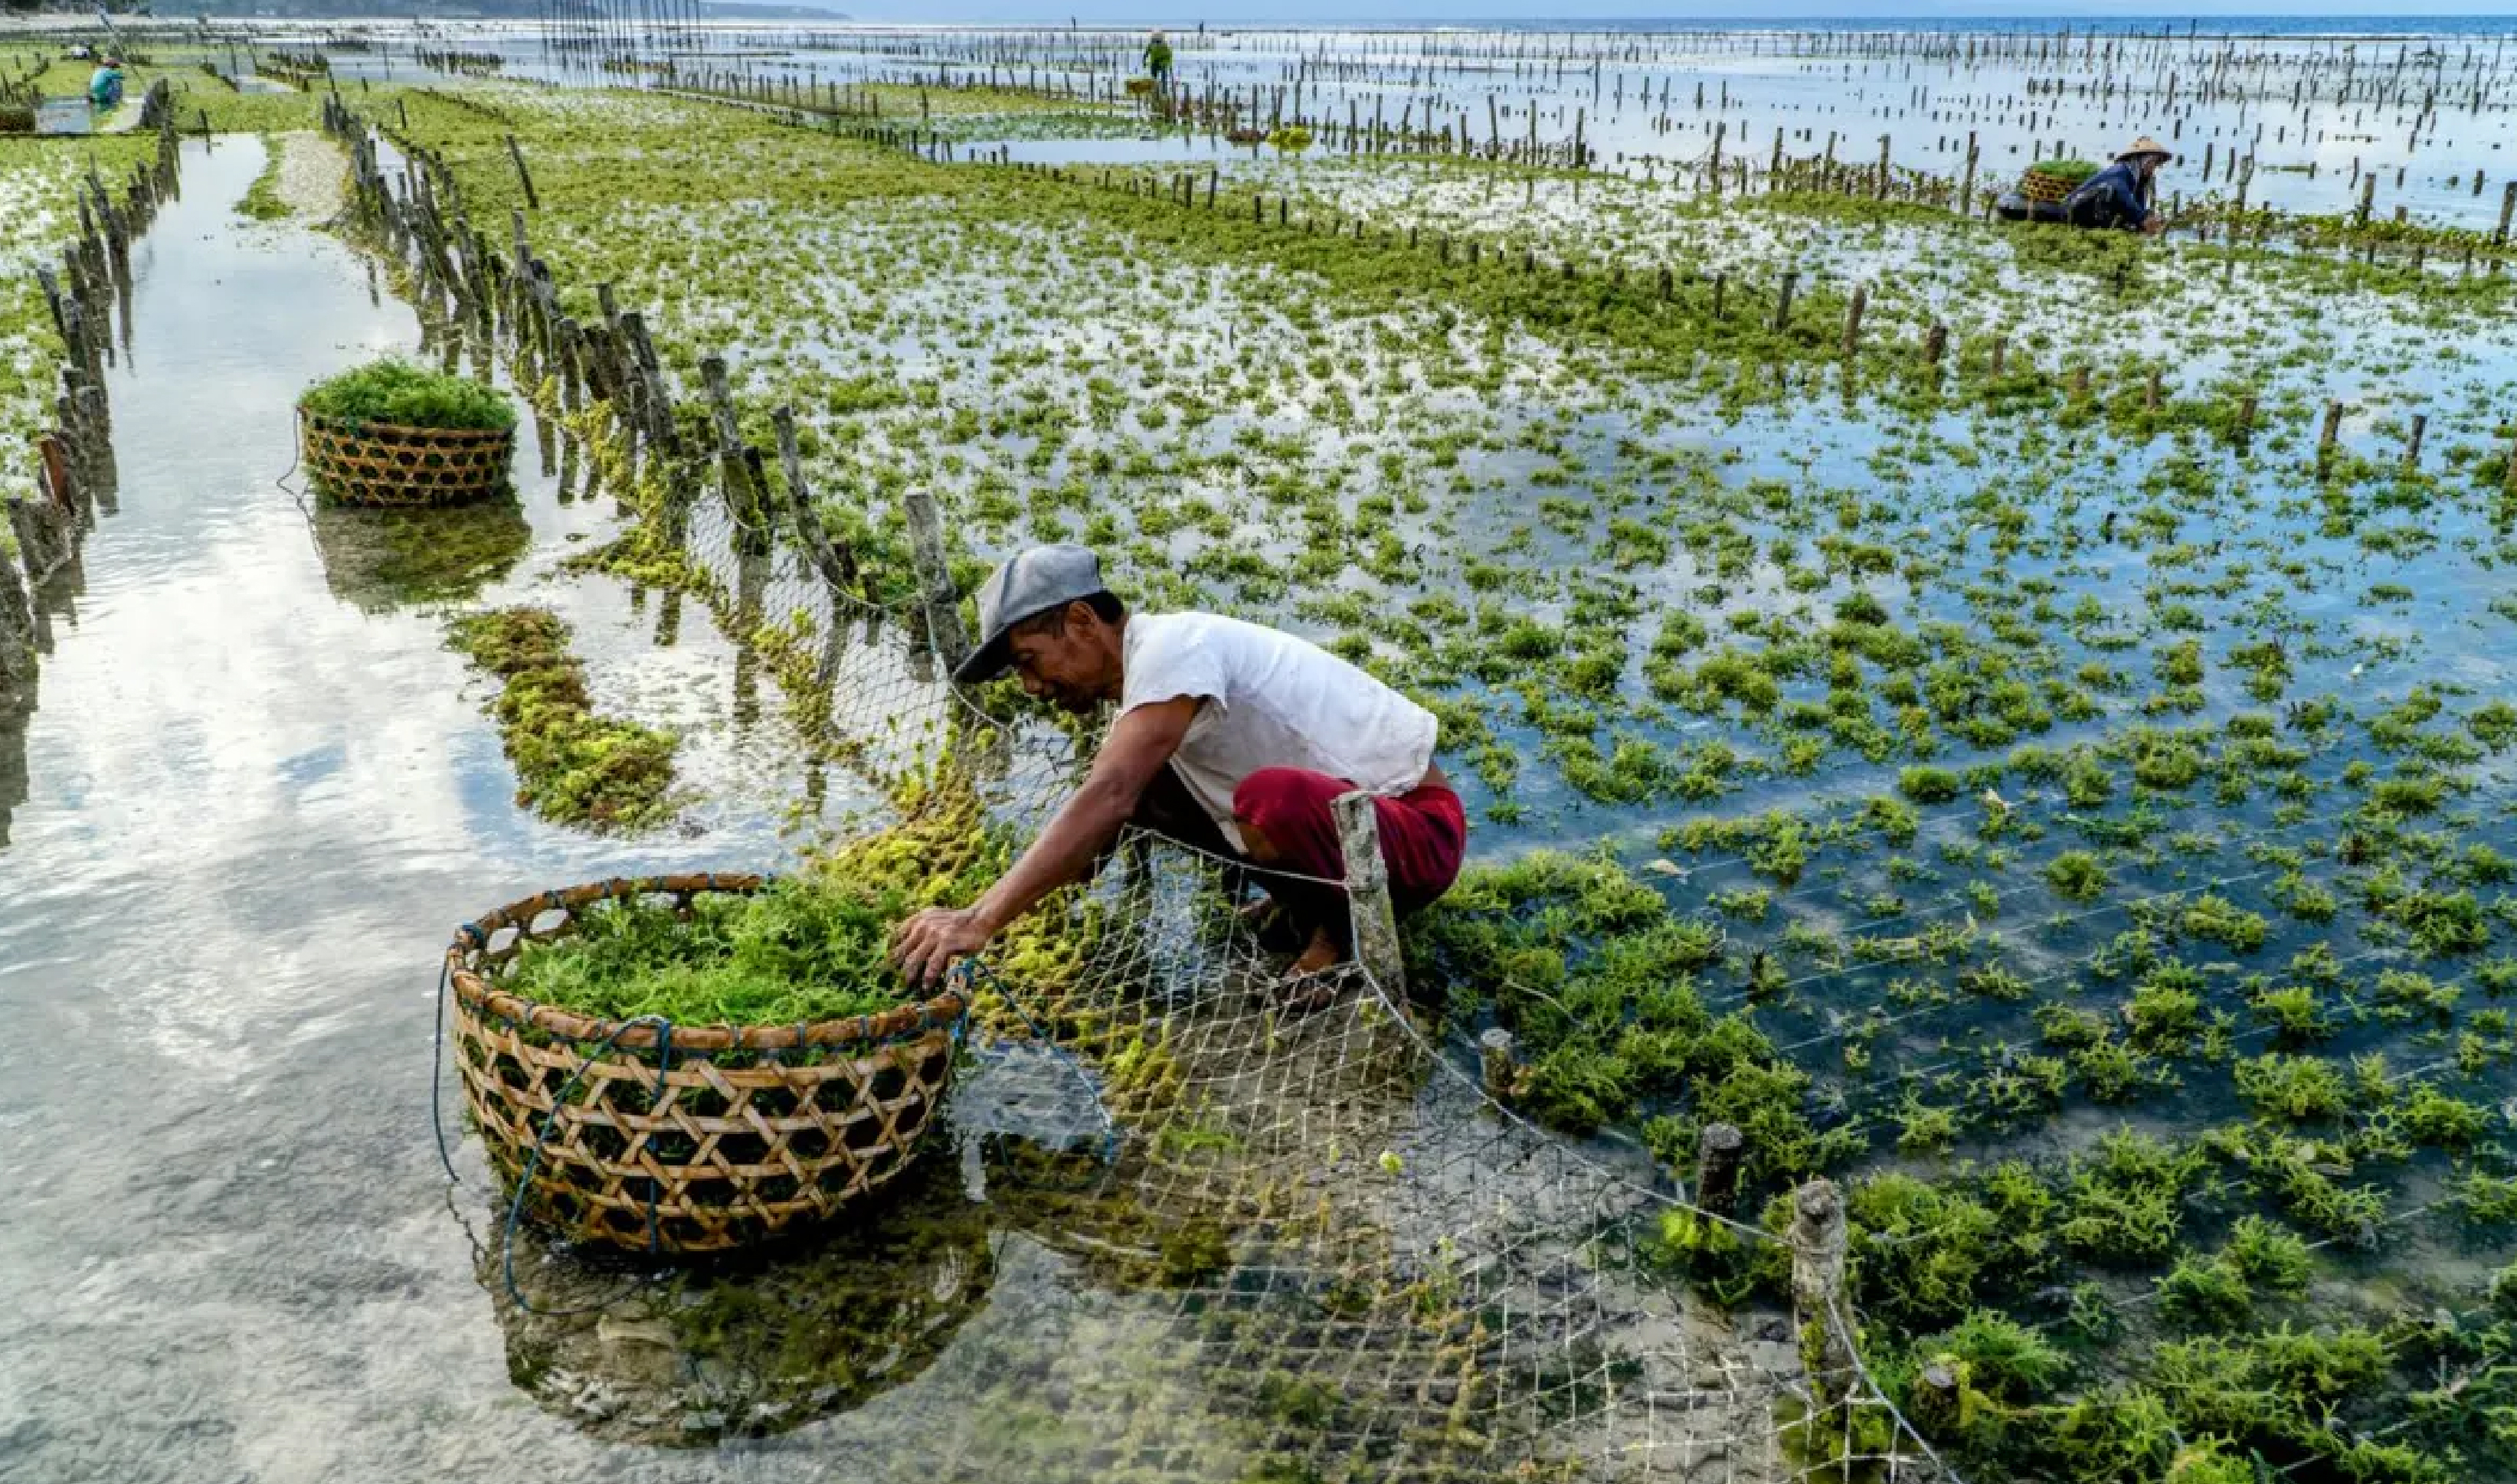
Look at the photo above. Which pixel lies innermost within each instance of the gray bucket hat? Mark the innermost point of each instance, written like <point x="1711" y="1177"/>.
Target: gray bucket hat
<point x="1029" y="584"/>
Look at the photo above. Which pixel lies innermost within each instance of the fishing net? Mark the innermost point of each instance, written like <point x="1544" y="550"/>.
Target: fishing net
<point x="1326" y="1252"/>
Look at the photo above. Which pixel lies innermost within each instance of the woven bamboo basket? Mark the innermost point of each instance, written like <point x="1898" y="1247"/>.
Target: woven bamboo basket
<point x="2042" y="186"/>
<point x="700" y="1140"/>
<point x="374" y="463"/>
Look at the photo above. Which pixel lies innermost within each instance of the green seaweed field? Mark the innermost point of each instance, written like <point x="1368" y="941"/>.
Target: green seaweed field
<point x="2012" y="721"/>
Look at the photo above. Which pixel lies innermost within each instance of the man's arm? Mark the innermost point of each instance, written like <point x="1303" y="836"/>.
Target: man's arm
<point x="1139" y="744"/>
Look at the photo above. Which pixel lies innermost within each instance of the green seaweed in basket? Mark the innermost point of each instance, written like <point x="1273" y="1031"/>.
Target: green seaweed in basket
<point x="404" y="394"/>
<point x="2074" y="171"/>
<point x="796" y="951"/>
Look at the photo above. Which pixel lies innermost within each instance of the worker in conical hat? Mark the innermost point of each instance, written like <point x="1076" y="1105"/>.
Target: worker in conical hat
<point x="2122" y="195"/>
<point x="1158" y="60"/>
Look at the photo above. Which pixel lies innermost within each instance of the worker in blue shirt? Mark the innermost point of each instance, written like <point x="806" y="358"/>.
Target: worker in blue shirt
<point x="105" y="89"/>
<point x="2122" y="195"/>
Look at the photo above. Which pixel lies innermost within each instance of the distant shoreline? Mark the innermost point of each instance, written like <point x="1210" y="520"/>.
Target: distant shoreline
<point x="749" y="15"/>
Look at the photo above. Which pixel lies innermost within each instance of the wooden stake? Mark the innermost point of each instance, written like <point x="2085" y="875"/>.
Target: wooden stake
<point x="836" y="560"/>
<point x="16" y="636"/>
<point x="1719" y="1149"/>
<point x="1497" y="1063"/>
<point x="523" y="177"/>
<point x="1818" y="1246"/>
<point x="1939" y="1402"/>
<point x="1367" y="889"/>
<point x="935" y="578"/>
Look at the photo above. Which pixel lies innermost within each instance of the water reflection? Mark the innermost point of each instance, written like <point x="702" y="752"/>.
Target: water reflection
<point x="688" y="1355"/>
<point x="809" y="1329"/>
<point x="382" y="559"/>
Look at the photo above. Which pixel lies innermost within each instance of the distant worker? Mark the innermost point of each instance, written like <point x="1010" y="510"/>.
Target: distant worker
<point x="2122" y="195"/>
<point x="105" y="89"/>
<point x="1158" y="61"/>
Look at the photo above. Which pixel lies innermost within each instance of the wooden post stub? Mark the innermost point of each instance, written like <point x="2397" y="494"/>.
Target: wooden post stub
<point x="1937" y="1401"/>
<point x="1853" y="318"/>
<point x="1819" y="1243"/>
<point x="943" y="605"/>
<point x="1783" y="299"/>
<point x="2324" y="440"/>
<point x="1718" y="1150"/>
<point x="1367" y="890"/>
<point x="2413" y="444"/>
<point x="1499" y="1063"/>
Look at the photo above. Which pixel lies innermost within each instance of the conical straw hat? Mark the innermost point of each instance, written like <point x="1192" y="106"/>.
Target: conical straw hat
<point x="2145" y="146"/>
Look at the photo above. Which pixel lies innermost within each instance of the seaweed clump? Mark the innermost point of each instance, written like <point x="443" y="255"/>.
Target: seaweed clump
<point x="794" y="952"/>
<point x="405" y="396"/>
<point x="573" y="765"/>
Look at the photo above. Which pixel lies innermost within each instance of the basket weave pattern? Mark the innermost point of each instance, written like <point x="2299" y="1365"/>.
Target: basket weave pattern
<point x="744" y="1132"/>
<point x="2039" y="185"/>
<point x="387" y="464"/>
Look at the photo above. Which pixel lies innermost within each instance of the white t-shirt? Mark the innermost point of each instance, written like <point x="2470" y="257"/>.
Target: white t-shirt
<point x="1271" y="700"/>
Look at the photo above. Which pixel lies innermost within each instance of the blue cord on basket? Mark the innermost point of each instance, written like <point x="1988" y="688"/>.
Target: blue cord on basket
<point x="437" y="1073"/>
<point x="532" y="1161"/>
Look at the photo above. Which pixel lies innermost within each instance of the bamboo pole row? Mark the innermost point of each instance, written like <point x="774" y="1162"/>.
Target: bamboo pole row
<point x="74" y="471"/>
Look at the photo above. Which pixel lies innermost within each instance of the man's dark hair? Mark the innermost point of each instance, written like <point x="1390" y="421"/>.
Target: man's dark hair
<point x="1105" y="605"/>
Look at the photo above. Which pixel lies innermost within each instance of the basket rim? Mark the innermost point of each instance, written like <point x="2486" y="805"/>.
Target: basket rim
<point x="355" y="428"/>
<point x="476" y="993"/>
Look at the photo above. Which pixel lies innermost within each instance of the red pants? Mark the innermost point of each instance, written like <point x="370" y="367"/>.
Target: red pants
<point x="1424" y="835"/>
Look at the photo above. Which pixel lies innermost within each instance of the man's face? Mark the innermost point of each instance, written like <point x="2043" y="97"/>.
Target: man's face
<point x="1062" y="664"/>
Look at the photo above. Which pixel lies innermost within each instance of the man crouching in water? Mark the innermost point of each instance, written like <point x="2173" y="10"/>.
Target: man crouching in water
<point x="1231" y="738"/>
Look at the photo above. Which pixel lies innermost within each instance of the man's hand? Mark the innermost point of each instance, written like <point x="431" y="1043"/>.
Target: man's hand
<point x="2154" y="226"/>
<point x="925" y="946"/>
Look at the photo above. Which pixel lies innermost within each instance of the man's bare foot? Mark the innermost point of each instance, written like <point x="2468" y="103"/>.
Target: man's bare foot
<point x="1307" y="985"/>
<point x="1317" y="956"/>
